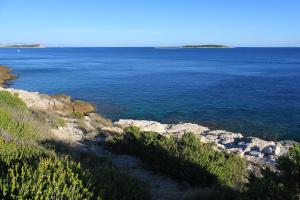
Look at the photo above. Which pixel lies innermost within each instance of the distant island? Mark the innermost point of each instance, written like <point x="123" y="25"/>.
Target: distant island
<point x="23" y="46"/>
<point x="205" y="46"/>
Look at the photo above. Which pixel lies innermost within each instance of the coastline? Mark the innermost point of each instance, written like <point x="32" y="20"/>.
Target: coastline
<point x="5" y="75"/>
<point x="253" y="149"/>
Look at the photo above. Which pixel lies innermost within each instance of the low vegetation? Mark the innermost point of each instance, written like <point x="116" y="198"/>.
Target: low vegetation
<point x="30" y="168"/>
<point x="77" y="115"/>
<point x="34" y="167"/>
<point x="34" y="172"/>
<point x="186" y="159"/>
<point x="7" y="99"/>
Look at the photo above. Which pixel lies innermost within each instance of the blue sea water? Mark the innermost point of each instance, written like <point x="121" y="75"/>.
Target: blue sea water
<point x="255" y="91"/>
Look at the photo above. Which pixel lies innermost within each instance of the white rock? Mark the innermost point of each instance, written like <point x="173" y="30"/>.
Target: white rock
<point x="236" y="151"/>
<point x="35" y="100"/>
<point x="278" y="149"/>
<point x="259" y="143"/>
<point x="187" y="127"/>
<point x="143" y="124"/>
<point x="112" y="129"/>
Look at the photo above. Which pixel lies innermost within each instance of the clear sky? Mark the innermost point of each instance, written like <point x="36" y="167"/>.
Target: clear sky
<point x="150" y="22"/>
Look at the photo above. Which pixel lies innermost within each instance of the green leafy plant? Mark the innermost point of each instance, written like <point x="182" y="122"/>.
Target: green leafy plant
<point x="78" y="115"/>
<point x="11" y="100"/>
<point x="16" y="127"/>
<point x="34" y="172"/>
<point x="30" y="169"/>
<point x="186" y="158"/>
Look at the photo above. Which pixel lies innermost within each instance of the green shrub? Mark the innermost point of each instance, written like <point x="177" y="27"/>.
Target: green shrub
<point x="186" y="158"/>
<point x="34" y="172"/>
<point x="284" y="184"/>
<point x="15" y="127"/>
<point x="30" y="172"/>
<point x="59" y="122"/>
<point x="12" y="100"/>
<point x="78" y="115"/>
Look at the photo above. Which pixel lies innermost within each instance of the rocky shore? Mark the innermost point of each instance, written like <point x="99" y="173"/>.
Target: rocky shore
<point x="253" y="149"/>
<point x="92" y="125"/>
<point x="5" y="74"/>
<point x="77" y="124"/>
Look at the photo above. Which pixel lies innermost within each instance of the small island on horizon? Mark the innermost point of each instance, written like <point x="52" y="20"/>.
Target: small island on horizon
<point x="22" y="46"/>
<point x="206" y="46"/>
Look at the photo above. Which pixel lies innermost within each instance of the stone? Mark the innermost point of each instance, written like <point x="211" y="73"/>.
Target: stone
<point x="277" y="150"/>
<point x="62" y="97"/>
<point x="255" y="148"/>
<point x="98" y="120"/>
<point x="82" y="107"/>
<point x="255" y="153"/>
<point x="144" y="125"/>
<point x="221" y="147"/>
<point x="239" y="152"/>
<point x="268" y="150"/>
<point x="271" y="159"/>
<point x="112" y="130"/>
<point x="256" y="142"/>
<point x="5" y="75"/>
<point x="187" y="127"/>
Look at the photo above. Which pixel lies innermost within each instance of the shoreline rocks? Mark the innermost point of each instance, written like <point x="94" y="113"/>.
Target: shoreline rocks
<point x="252" y="149"/>
<point x="5" y="75"/>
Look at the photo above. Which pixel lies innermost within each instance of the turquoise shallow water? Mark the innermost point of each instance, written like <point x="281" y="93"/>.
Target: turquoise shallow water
<point x="255" y="91"/>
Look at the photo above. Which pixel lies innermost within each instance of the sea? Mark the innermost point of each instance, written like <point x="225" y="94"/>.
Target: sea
<point x="255" y="91"/>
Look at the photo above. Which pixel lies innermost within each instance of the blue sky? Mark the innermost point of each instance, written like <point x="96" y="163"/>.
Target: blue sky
<point x="150" y="22"/>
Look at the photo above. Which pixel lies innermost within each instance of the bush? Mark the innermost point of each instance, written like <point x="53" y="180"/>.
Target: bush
<point x="33" y="172"/>
<point x="12" y="100"/>
<point x="16" y="127"/>
<point x="28" y="172"/>
<point x="78" y="115"/>
<point x="12" y="116"/>
<point x="186" y="159"/>
<point x="59" y="122"/>
<point x="284" y="184"/>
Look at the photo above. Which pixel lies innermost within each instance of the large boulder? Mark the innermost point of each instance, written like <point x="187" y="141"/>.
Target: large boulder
<point x="62" y="98"/>
<point x="144" y="125"/>
<point x="278" y="149"/>
<point x="268" y="150"/>
<point x="257" y="143"/>
<point x="82" y="107"/>
<point x="228" y="139"/>
<point x="186" y="128"/>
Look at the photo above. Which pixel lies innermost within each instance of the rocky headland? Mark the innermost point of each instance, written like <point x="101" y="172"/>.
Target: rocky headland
<point x="5" y="75"/>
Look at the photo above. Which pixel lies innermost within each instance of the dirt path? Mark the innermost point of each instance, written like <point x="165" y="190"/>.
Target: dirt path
<point x="161" y="187"/>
